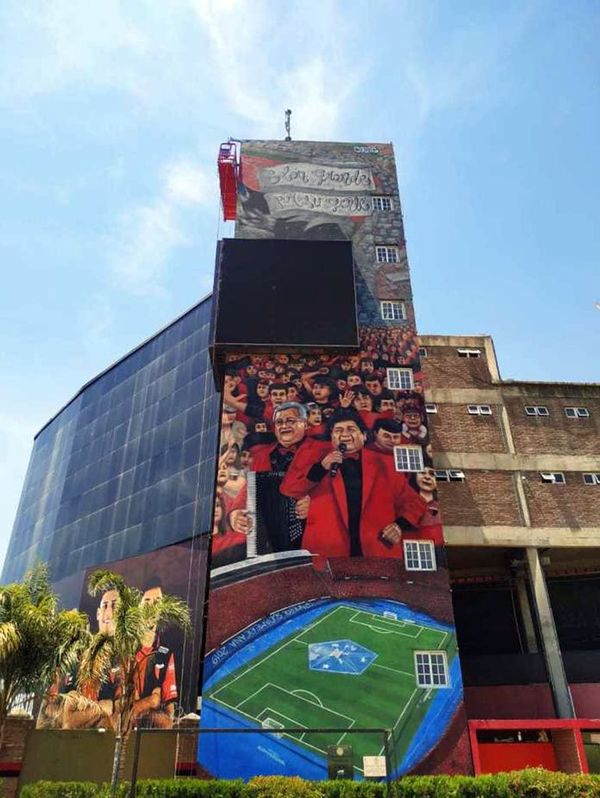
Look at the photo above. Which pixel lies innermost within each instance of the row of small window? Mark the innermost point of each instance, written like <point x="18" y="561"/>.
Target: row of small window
<point x="570" y="412"/>
<point x="530" y="410"/>
<point x="472" y="410"/>
<point x="558" y="478"/>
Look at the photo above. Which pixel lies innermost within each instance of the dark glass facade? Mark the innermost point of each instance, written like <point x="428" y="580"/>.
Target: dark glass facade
<point x="128" y="465"/>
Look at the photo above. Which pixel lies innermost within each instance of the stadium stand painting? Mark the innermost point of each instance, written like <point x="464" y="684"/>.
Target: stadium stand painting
<point x="330" y="618"/>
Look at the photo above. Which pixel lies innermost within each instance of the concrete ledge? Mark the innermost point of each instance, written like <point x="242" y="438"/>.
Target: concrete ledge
<point x="484" y="461"/>
<point x="464" y="396"/>
<point x="557" y="537"/>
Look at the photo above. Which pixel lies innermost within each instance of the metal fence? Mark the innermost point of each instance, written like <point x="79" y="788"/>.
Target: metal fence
<point x="376" y="754"/>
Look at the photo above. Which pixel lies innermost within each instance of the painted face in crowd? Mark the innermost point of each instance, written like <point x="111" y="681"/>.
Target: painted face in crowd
<point x="386" y="440"/>
<point x="363" y="401"/>
<point x="314" y="416"/>
<point x="290" y="428"/>
<point x="426" y="480"/>
<point x="373" y="386"/>
<point x="321" y="392"/>
<point x="277" y="396"/>
<point x="348" y="433"/>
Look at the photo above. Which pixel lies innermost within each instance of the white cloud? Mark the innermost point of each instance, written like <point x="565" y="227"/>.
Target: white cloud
<point x="149" y="233"/>
<point x="188" y="183"/>
<point x="271" y="56"/>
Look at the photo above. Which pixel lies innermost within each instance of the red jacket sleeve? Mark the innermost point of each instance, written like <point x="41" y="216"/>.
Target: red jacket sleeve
<point x="296" y="483"/>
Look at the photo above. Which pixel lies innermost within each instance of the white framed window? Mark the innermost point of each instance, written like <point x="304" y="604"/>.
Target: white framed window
<point x="392" y="310"/>
<point x="479" y="410"/>
<point x="382" y="203"/>
<point x="399" y="379"/>
<point x="536" y="410"/>
<point x="385" y="254"/>
<point x="553" y="477"/>
<point x="469" y="352"/>
<point x="577" y="412"/>
<point x="408" y="458"/>
<point x="419" y="555"/>
<point x="431" y="668"/>
<point x="430" y="408"/>
<point x="591" y="479"/>
<point x="449" y="475"/>
<point x="422" y="351"/>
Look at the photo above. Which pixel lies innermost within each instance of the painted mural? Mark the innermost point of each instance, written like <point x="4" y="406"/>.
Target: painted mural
<point x="329" y="599"/>
<point x="168" y="662"/>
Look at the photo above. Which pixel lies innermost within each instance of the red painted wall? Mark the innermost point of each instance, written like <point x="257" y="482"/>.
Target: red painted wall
<point x="586" y="698"/>
<point x="510" y="701"/>
<point x="501" y="757"/>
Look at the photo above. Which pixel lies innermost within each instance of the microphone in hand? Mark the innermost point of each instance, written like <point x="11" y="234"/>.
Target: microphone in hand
<point x="335" y="467"/>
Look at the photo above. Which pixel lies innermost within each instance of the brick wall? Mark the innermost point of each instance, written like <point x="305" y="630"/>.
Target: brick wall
<point x="555" y="433"/>
<point x="445" y="369"/>
<point x="484" y="498"/>
<point x="566" y="751"/>
<point x="573" y="504"/>
<point x="452" y="429"/>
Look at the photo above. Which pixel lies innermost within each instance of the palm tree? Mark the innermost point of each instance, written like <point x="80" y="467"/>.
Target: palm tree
<point x="37" y="641"/>
<point x="114" y="653"/>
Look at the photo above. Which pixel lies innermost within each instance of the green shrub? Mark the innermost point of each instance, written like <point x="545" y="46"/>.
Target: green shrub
<point x="62" y="789"/>
<point x="534" y="783"/>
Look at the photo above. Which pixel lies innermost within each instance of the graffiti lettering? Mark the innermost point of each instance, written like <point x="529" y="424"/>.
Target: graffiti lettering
<point x="333" y="204"/>
<point x="303" y="175"/>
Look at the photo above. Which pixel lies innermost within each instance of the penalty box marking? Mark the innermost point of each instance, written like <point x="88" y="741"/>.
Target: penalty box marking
<point x="321" y="707"/>
<point x="297" y="638"/>
<point x="386" y="625"/>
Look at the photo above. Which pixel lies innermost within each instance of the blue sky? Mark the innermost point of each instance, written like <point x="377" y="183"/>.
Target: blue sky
<point x="111" y="114"/>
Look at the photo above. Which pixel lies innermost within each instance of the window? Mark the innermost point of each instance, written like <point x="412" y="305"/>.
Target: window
<point x="399" y="379"/>
<point x="382" y="203"/>
<point x="431" y="668"/>
<point x="419" y="555"/>
<point x="423" y="351"/>
<point x="553" y="477"/>
<point x="387" y="254"/>
<point x="431" y="409"/>
<point x="577" y="412"/>
<point x="591" y="479"/>
<point x="536" y="410"/>
<point x="449" y="475"/>
<point x="392" y="311"/>
<point x="469" y="352"/>
<point x="479" y="410"/>
<point x="408" y="458"/>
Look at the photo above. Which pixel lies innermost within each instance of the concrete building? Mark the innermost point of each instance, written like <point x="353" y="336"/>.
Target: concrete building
<point x="519" y="487"/>
<point x="325" y="599"/>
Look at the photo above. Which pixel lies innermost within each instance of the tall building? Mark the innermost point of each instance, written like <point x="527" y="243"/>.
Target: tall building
<point x="278" y="457"/>
<point x="517" y="467"/>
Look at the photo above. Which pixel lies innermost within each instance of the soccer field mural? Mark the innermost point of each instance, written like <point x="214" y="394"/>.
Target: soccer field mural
<point x="329" y="601"/>
<point x="363" y="680"/>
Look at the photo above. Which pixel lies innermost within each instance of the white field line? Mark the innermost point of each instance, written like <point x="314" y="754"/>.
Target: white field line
<point x="246" y="671"/>
<point x="394" y="670"/>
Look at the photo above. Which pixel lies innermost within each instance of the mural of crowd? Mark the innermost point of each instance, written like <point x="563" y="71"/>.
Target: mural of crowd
<point x="307" y="454"/>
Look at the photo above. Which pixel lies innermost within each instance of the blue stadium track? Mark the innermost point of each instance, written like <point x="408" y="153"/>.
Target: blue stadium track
<point x="246" y="755"/>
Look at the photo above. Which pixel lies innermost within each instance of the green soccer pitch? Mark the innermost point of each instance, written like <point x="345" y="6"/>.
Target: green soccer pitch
<point x="279" y="689"/>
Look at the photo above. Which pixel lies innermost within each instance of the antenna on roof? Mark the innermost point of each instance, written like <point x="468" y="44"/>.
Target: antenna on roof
<point x="288" y="114"/>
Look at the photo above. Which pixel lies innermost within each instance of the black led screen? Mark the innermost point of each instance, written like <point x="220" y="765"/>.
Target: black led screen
<point x="284" y="294"/>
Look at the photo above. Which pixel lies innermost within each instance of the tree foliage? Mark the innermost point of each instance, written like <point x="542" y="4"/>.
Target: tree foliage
<point x="37" y="640"/>
<point x="116" y="655"/>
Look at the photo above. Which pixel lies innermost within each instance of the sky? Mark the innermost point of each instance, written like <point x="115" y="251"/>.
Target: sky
<point x="111" y="115"/>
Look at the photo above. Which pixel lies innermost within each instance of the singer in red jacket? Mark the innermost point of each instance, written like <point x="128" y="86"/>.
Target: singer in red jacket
<point x="359" y="504"/>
